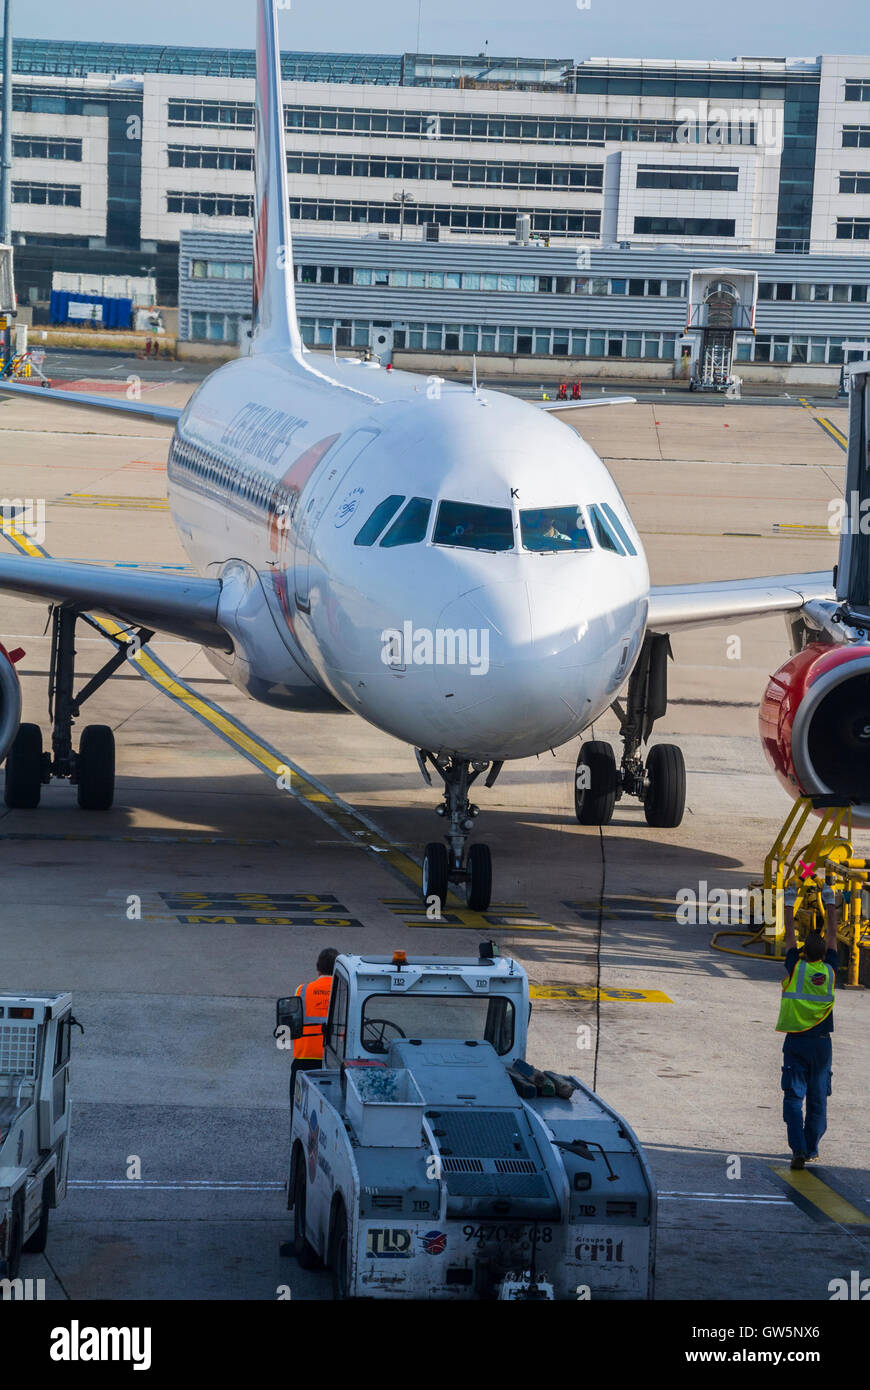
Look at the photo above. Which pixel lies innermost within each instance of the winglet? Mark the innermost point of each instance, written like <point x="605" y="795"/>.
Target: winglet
<point x="275" y="327"/>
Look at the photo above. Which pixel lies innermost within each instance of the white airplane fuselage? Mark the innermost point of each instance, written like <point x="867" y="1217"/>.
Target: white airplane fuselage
<point x="275" y="467"/>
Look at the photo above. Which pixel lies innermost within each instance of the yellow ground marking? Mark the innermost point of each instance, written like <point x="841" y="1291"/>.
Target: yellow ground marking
<point x="836" y="434"/>
<point x="825" y="1199"/>
<point x="508" y="917"/>
<point x="606" y="995"/>
<point x="92" y="499"/>
<point x="19" y="540"/>
<point x="814" y="527"/>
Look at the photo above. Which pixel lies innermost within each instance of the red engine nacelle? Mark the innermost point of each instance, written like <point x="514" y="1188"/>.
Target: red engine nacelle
<point x="814" y="723"/>
<point x="10" y="699"/>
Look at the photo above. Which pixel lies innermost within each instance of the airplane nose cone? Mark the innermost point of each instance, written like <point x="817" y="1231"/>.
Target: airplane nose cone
<point x="515" y="673"/>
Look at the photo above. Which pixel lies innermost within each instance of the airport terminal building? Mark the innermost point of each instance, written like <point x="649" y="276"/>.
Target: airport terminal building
<point x="414" y="169"/>
<point x="127" y="145"/>
<point x="528" y="310"/>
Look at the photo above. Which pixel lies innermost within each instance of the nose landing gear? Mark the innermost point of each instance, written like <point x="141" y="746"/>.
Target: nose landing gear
<point x="660" y="783"/>
<point x="454" y="861"/>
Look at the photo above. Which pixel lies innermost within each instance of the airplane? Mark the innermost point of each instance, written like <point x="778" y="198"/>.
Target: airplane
<point x="452" y="564"/>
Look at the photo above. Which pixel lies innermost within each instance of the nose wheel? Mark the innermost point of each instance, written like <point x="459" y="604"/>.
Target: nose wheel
<point x="454" y="861"/>
<point x="478" y="884"/>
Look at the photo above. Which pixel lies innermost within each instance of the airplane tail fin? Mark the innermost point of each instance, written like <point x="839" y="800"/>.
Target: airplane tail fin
<point x="274" y="327"/>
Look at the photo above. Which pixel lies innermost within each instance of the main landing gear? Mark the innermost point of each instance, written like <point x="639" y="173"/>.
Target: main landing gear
<point x="660" y="783"/>
<point x="455" y="861"/>
<point x="92" y="769"/>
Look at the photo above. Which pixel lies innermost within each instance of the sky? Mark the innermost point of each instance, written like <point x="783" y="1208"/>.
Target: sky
<point x="540" y="28"/>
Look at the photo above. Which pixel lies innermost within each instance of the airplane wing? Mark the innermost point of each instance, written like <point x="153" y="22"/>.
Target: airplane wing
<point x="182" y="605"/>
<point x="585" y="405"/>
<point x="163" y="414"/>
<point x="723" y="601"/>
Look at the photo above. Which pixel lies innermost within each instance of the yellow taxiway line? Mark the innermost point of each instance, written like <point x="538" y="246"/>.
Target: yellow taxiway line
<point x="811" y="1187"/>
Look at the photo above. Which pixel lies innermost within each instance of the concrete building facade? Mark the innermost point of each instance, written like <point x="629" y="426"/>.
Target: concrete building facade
<point x="533" y="309"/>
<point x="139" y="143"/>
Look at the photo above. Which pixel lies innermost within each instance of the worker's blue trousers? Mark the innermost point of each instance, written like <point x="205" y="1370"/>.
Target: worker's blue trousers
<point x="806" y="1076"/>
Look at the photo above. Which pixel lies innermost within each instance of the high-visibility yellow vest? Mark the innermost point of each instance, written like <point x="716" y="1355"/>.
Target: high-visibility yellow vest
<point x="807" y="997"/>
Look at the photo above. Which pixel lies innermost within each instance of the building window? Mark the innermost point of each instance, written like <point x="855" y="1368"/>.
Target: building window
<point x="545" y="221"/>
<point x="56" y="105"/>
<point x="221" y="270"/>
<point x="46" y="147"/>
<point x="211" y="204"/>
<point x="853" y="228"/>
<point x="208" y="157"/>
<point x="857" y="89"/>
<point x="856" y="137"/>
<point x="684" y="226"/>
<point x="211" y="113"/>
<point x="450" y="125"/>
<point x="799" y="348"/>
<point x="66" y="195"/>
<point x="855" y="182"/>
<point x="698" y="178"/>
<point x="214" y="327"/>
<point x="462" y="173"/>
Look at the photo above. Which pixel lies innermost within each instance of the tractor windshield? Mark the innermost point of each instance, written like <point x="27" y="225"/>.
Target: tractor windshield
<point x="386" y="1017"/>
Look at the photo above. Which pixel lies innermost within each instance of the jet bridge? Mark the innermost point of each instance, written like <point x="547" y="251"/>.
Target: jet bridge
<point x="853" y="565"/>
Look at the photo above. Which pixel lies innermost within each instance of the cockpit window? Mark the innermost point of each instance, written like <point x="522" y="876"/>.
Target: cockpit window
<point x="619" y="528"/>
<point x="603" y="531"/>
<point x="473" y="527"/>
<point x="554" y="528"/>
<point x="411" y="523"/>
<point x="378" y="519"/>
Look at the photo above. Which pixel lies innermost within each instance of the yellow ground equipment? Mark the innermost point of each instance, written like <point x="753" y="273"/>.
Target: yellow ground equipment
<point x="24" y="366"/>
<point x="826" y="858"/>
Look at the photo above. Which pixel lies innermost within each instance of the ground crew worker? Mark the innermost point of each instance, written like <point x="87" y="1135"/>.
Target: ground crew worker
<point x="308" y="1050"/>
<point x="806" y="1019"/>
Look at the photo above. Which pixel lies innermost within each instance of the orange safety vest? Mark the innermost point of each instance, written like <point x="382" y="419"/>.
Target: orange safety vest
<point x="315" y="1004"/>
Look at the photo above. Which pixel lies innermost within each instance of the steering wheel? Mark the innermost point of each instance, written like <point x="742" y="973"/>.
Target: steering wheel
<point x="373" y="1034"/>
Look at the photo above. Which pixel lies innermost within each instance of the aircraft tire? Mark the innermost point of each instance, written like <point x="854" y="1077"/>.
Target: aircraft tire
<point x="479" y="883"/>
<point x="665" y="799"/>
<point x="302" y="1249"/>
<point x="95" y="768"/>
<point x="593" y="805"/>
<point x="339" y="1256"/>
<point x="24" y="769"/>
<point x="435" y="874"/>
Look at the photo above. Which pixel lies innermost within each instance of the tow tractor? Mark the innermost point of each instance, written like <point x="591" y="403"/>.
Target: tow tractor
<point x="34" y="1119"/>
<point x="430" y="1160"/>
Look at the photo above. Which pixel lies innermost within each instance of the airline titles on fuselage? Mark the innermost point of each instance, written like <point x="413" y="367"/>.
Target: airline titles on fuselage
<point x="261" y="432"/>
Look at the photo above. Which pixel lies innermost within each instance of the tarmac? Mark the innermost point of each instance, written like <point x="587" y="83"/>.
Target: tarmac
<point x="177" y="918"/>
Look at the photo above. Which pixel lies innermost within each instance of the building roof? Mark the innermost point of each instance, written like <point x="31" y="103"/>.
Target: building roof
<point x="59" y="58"/>
<point x="68" y="58"/>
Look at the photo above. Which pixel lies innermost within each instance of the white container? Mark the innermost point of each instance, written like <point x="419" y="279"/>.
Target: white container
<point x="385" y="1107"/>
